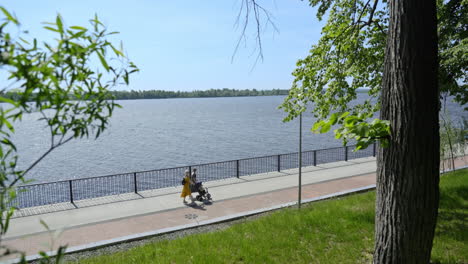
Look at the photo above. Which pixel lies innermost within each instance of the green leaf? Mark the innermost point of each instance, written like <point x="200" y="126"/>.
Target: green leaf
<point x="7" y="100"/>
<point x="9" y="16"/>
<point x="103" y="61"/>
<point x="59" y="23"/>
<point x="362" y="130"/>
<point x="24" y="41"/>
<point x="60" y="254"/>
<point x="116" y="51"/>
<point x="325" y="128"/>
<point x="9" y="125"/>
<point x="8" y="142"/>
<point x="79" y="28"/>
<point x="125" y="77"/>
<point x="317" y="125"/>
<point x="43" y="255"/>
<point x="362" y="144"/>
<point x="350" y="121"/>
<point x="334" y="118"/>
<point x="51" y="29"/>
<point x="338" y="135"/>
<point x="345" y="114"/>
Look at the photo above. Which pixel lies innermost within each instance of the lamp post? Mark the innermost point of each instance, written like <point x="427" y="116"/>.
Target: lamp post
<point x="300" y="161"/>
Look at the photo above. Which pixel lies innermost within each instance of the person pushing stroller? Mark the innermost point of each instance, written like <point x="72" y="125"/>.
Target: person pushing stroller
<point x="186" y="190"/>
<point x="196" y="186"/>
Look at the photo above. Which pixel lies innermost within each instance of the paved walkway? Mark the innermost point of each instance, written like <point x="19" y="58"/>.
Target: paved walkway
<point x="164" y="211"/>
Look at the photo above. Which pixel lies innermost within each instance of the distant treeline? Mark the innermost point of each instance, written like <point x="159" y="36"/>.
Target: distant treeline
<point x="158" y="94"/>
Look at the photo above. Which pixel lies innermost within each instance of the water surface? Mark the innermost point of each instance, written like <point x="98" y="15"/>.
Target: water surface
<point x="155" y="134"/>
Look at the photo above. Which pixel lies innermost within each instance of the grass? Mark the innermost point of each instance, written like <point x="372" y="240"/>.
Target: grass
<point x="333" y="231"/>
<point x="451" y="239"/>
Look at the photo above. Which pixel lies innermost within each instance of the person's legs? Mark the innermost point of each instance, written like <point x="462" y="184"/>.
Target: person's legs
<point x="183" y="198"/>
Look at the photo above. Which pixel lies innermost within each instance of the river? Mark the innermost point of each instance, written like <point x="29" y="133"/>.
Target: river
<point x="163" y="133"/>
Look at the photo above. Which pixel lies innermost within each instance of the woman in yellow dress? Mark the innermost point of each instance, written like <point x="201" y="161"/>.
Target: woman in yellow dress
<point x="186" y="189"/>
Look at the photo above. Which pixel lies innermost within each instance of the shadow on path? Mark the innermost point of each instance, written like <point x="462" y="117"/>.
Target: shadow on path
<point x="196" y="206"/>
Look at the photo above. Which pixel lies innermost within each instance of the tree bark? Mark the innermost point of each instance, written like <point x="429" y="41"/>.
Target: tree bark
<point x="408" y="170"/>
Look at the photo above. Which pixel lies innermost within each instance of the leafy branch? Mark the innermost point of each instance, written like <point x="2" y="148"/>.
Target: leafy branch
<point x="59" y="81"/>
<point x="348" y="56"/>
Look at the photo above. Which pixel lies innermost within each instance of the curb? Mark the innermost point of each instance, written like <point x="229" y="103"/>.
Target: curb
<point x="458" y="168"/>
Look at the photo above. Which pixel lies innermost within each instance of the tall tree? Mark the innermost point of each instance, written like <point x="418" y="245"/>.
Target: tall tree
<point x="408" y="169"/>
<point x="390" y="48"/>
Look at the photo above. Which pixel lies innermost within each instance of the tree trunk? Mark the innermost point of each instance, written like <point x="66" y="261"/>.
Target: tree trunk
<point x="408" y="170"/>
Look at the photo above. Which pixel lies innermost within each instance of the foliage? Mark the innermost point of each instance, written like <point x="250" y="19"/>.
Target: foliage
<point x="67" y="82"/>
<point x="453" y="48"/>
<point x="332" y="231"/>
<point x="350" y="55"/>
<point x="225" y="92"/>
<point x="159" y="94"/>
<point x="355" y="126"/>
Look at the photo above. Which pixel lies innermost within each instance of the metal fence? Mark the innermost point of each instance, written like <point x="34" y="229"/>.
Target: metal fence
<point x="87" y="188"/>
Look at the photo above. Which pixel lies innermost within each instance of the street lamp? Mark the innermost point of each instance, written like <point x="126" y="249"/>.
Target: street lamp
<point x="300" y="160"/>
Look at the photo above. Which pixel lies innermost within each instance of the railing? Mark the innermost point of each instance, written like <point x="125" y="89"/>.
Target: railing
<point x="135" y="182"/>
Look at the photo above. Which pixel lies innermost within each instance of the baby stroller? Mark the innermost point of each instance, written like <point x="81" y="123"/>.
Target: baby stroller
<point x="203" y="193"/>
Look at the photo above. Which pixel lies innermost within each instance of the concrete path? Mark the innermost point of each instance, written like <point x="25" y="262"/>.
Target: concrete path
<point x="163" y="210"/>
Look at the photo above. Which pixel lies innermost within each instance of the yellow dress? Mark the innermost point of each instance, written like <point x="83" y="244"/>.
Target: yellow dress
<point x="186" y="189"/>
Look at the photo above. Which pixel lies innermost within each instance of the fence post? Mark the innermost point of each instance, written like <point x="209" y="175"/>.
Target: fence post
<point x="346" y="154"/>
<point x="190" y="171"/>
<point x="315" y="157"/>
<point x="135" y="182"/>
<point x="237" y="168"/>
<point x="279" y="163"/>
<point x="373" y="153"/>
<point x="71" y="191"/>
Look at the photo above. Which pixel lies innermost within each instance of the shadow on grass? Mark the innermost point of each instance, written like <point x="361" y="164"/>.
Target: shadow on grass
<point x="453" y="224"/>
<point x="364" y="218"/>
<point x="452" y="221"/>
<point x="453" y="197"/>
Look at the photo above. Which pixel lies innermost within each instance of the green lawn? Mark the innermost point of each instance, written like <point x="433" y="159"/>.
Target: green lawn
<point x="333" y="231"/>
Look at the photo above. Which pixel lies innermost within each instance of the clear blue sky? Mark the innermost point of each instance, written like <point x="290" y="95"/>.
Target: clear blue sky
<point x="187" y="45"/>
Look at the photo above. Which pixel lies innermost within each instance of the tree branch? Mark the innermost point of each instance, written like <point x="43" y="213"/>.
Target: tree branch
<point x="50" y="127"/>
<point x="362" y="13"/>
<point x="39" y="159"/>
<point x="380" y="27"/>
<point x="258" y="11"/>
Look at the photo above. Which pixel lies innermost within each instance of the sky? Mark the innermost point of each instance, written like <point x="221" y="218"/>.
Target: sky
<point x="188" y="45"/>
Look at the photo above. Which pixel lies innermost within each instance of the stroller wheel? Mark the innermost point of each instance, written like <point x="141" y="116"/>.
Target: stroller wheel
<point x="208" y="196"/>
